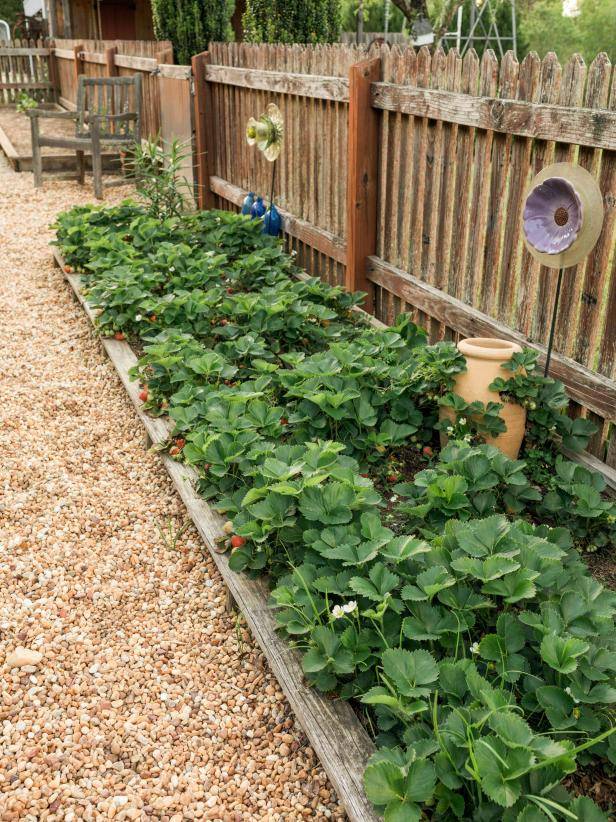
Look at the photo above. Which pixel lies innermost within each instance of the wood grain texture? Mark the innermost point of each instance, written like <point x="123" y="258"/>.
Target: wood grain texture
<point x="204" y="132"/>
<point x="525" y="119"/>
<point x="303" y="85"/>
<point x="334" y="731"/>
<point x="362" y="180"/>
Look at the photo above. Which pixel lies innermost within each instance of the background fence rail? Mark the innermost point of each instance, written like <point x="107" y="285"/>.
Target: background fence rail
<point x="456" y="144"/>
<point x="26" y="65"/>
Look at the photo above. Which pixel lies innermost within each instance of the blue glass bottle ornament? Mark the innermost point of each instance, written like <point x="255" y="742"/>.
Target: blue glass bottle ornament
<point x="258" y="208"/>
<point x="248" y="202"/>
<point x="272" y="222"/>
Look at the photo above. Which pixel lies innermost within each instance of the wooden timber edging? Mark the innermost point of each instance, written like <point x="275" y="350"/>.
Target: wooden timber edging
<point x="334" y="731"/>
<point x="596" y="392"/>
<point x="582" y="126"/>
<point x="9" y="150"/>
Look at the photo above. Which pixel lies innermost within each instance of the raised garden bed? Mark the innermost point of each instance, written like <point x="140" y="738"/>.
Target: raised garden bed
<point x="440" y="590"/>
<point x="334" y="731"/>
<point x="15" y="142"/>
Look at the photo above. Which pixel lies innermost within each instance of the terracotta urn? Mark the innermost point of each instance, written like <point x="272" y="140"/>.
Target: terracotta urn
<point x="484" y="359"/>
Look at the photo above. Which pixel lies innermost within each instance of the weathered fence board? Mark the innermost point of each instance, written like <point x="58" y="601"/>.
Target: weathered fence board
<point x="587" y="387"/>
<point x="321" y="88"/>
<point x="581" y="126"/>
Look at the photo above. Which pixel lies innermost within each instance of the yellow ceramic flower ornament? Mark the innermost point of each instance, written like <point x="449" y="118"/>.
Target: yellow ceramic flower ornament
<point x="267" y="132"/>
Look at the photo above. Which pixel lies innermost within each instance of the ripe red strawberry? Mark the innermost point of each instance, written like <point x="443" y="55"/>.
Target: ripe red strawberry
<point x="237" y="541"/>
<point x="143" y="395"/>
<point x="367" y="476"/>
<point x="68" y="269"/>
<point x="284" y="421"/>
<point x="224" y="322"/>
<point x="153" y="318"/>
<point x="393" y="478"/>
<point x="174" y="451"/>
<point x="427" y="451"/>
<point x="180" y="442"/>
<point x="230" y="291"/>
<point x="119" y="336"/>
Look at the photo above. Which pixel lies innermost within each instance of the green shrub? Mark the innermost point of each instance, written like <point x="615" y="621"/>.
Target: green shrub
<point x="191" y="24"/>
<point x="305" y="21"/>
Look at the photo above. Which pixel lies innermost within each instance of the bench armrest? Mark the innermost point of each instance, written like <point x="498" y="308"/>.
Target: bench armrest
<point x="114" y="117"/>
<point x="56" y="115"/>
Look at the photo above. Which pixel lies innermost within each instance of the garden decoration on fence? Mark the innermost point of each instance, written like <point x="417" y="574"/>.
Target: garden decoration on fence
<point x="248" y="203"/>
<point x="563" y="216"/>
<point x="267" y="133"/>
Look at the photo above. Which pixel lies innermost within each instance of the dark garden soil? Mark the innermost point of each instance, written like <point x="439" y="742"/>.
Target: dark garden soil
<point x="595" y="782"/>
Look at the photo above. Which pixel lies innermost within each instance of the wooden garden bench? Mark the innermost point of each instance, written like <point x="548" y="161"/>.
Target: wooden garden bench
<point x="108" y="115"/>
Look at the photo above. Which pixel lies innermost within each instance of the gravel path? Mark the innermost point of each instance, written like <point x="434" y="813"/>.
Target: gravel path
<point x="143" y="697"/>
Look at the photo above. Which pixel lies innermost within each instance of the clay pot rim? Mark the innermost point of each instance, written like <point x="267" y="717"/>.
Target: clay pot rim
<point x="488" y="348"/>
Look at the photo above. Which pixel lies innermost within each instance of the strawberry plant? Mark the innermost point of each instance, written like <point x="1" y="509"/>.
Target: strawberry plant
<point x="472" y="639"/>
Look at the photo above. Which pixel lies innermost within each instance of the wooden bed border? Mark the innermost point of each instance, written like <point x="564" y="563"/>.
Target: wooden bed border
<point x="335" y="732"/>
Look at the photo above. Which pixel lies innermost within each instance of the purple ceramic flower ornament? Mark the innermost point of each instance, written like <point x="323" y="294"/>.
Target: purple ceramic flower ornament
<point x="552" y="216"/>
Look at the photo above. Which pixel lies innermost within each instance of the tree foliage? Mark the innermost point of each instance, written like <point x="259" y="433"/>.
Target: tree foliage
<point x="374" y="16"/>
<point x="9" y="9"/>
<point x="191" y="24"/>
<point x="303" y="21"/>
<point x="545" y="28"/>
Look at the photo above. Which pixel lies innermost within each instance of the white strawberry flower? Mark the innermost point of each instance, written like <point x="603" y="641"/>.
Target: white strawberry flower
<point x="568" y="691"/>
<point x="337" y="612"/>
<point x="475" y="648"/>
<point x="349" y="607"/>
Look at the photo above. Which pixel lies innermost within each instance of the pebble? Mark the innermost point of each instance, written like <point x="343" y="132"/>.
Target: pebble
<point x="23" y="658"/>
<point x="118" y="616"/>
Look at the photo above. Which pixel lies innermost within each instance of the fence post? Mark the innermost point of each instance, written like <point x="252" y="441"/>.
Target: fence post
<point x="362" y="177"/>
<point x="165" y="57"/>
<point x="203" y="132"/>
<point x="77" y="50"/>
<point x="54" y="76"/>
<point x="111" y="68"/>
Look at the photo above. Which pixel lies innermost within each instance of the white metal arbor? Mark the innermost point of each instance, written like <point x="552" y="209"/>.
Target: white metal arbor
<point x="484" y="28"/>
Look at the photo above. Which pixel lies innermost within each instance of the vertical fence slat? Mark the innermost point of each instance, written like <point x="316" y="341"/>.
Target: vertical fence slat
<point x="203" y="133"/>
<point x="592" y="275"/>
<point x="488" y="84"/>
<point x="362" y="176"/>
<point x="464" y="217"/>
<point x="508" y="288"/>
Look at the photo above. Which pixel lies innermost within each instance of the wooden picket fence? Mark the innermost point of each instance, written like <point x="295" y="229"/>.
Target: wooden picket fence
<point x="403" y="174"/>
<point x="107" y="58"/>
<point x="26" y="66"/>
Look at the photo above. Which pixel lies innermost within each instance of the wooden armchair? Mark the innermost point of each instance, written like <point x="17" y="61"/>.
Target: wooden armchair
<point x="108" y="115"/>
